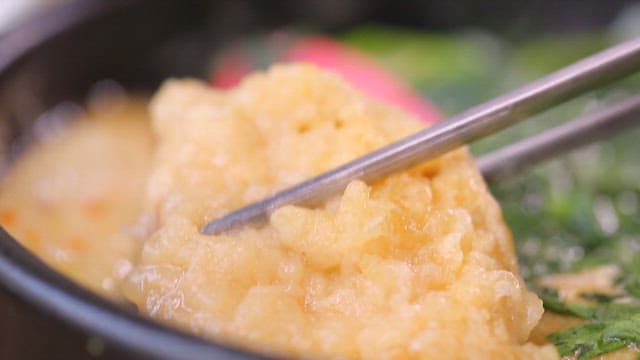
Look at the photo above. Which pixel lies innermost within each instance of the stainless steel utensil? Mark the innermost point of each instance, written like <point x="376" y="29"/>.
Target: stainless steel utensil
<point x="516" y="157"/>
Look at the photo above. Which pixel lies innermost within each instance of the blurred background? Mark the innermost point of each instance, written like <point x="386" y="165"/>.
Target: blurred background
<point x="12" y="12"/>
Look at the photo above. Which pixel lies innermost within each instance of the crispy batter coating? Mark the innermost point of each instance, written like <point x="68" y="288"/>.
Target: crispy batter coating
<point x="419" y="265"/>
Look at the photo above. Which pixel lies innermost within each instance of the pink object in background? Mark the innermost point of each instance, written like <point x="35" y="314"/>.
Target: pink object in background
<point x="230" y="70"/>
<point x="357" y="68"/>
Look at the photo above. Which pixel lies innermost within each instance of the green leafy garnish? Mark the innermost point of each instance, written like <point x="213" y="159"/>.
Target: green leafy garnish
<point x="583" y="341"/>
<point x="552" y="302"/>
<point x="611" y="326"/>
<point x="597" y="338"/>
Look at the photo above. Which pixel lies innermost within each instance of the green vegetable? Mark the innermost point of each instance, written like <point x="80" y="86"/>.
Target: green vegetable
<point x="584" y="342"/>
<point x="612" y="326"/>
<point x="552" y="302"/>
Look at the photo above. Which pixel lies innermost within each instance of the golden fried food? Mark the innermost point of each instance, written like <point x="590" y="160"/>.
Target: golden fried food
<point x="419" y="265"/>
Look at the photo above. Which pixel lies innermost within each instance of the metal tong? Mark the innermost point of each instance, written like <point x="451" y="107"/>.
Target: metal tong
<point x="587" y="74"/>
